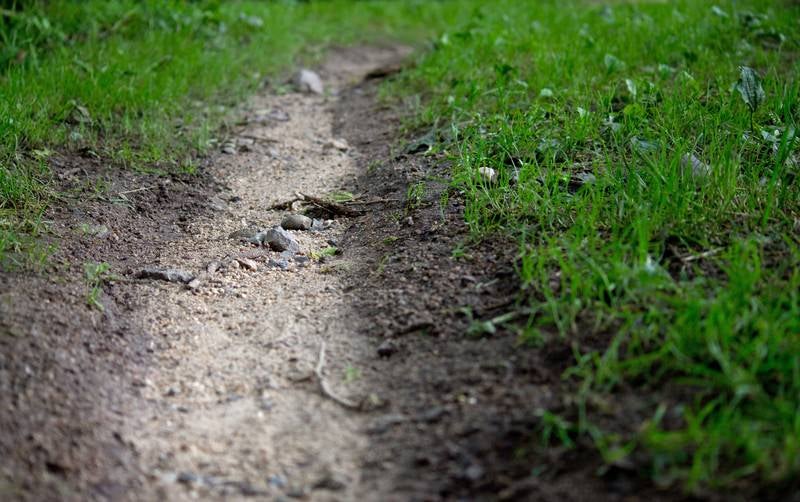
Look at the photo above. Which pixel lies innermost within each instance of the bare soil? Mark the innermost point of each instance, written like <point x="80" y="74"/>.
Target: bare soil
<point x="217" y="391"/>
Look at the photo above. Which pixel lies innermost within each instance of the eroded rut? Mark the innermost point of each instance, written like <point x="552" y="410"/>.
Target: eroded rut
<point x="237" y="407"/>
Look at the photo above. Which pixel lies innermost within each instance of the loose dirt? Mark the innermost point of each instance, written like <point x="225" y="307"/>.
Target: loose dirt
<point x="217" y="391"/>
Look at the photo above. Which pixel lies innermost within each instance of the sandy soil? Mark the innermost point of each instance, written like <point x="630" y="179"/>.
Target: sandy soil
<point x="237" y="404"/>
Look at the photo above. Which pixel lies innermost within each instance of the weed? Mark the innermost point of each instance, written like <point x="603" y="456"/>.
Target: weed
<point x="382" y="264"/>
<point x="342" y="196"/>
<point x="351" y="374"/>
<point x="324" y="252"/>
<point x="415" y="196"/>
<point x="95" y="274"/>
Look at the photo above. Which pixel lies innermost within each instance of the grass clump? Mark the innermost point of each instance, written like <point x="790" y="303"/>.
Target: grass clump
<point x="647" y="160"/>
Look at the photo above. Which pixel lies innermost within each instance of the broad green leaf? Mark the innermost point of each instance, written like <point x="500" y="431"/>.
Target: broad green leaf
<point x="613" y="63"/>
<point x="749" y="86"/>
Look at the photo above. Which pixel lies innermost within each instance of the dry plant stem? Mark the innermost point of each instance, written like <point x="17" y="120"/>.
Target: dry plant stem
<point x="323" y="384"/>
<point x="332" y="207"/>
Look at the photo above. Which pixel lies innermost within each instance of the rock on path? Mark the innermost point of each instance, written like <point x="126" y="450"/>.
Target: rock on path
<point x="309" y="82"/>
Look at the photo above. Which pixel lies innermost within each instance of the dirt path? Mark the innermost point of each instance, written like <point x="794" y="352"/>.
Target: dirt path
<point x="237" y="406"/>
<point x="214" y="392"/>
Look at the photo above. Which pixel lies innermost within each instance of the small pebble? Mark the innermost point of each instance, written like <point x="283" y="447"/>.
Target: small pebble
<point x="387" y="349"/>
<point x="488" y="174"/>
<point x="308" y="81"/>
<point x="337" y="144"/>
<point x="248" y="264"/>
<point x="280" y="240"/>
<point x="165" y="274"/>
<point x="296" y="222"/>
<point x="277" y="481"/>
<point x="187" y="478"/>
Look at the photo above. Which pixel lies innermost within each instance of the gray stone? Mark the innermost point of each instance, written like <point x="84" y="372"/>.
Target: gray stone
<point x="279" y="239"/>
<point x="317" y="225"/>
<point x="277" y="481"/>
<point x="474" y="472"/>
<point x="387" y="349"/>
<point x="281" y="264"/>
<point x="257" y="239"/>
<point x="217" y="204"/>
<point x="699" y="168"/>
<point x="166" y="274"/>
<point x="386" y="422"/>
<point x="337" y="144"/>
<point x="488" y="174"/>
<point x="330" y="481"/>
<point x="188" y="478"/>
<point x="296" y="222"/>
<point x="248" y="263"/>
<point x="308" y="81"/>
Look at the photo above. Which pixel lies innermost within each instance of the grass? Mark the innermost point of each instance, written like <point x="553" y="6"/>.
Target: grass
<point x="147" y="85"/>
<point x="657" y="213"/>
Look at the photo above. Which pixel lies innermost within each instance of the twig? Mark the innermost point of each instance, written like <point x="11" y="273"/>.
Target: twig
<point x="326" y="205"/>
<point x="331" y="207"/>
<point x="284" y="205"/>
<point x="323" y="384"/>
<point x="259" y="138"/>
<point x="414" y="326"/>
<point x="372" y="201"/>
<point x="498" y="305"/>
<point x="700" y="256"/>
<point x="136" y="190"/>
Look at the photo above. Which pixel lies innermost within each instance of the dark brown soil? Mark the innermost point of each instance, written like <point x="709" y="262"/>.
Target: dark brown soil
<point x="473" y="399"/>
